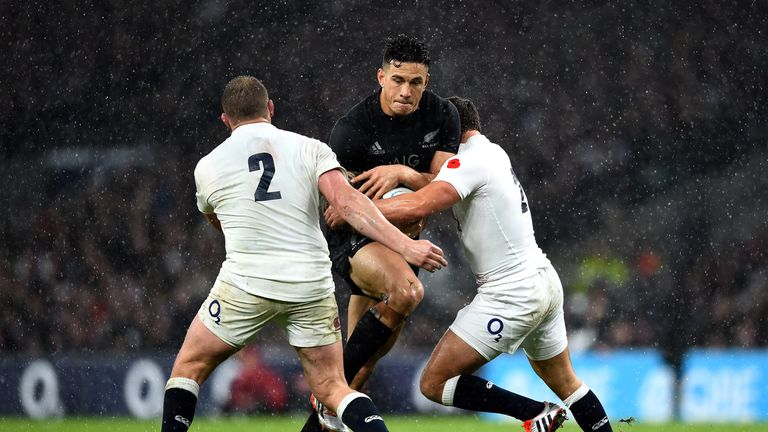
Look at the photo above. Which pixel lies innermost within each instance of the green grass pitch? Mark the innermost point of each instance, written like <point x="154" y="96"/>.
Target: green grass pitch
<point x="416" y="423"/>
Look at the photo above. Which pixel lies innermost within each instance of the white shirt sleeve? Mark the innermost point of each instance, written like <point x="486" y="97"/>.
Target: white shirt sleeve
<point x="326" y="158"/>
<point x="464" y="172"/>
<point x="201" y="188"/>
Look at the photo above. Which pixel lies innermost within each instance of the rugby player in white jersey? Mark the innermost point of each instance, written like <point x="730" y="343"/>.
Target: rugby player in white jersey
<point x="519" y="301"/>
<point x="261" y="187"/>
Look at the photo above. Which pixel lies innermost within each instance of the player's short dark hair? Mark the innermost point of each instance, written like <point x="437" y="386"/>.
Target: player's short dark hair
<point x="405" y="49"/>
<point x="244" y="97"/>
<point x="468" y="115"/>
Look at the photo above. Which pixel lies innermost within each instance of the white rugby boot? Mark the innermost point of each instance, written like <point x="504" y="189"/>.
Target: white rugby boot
<point x="548" y="420"/>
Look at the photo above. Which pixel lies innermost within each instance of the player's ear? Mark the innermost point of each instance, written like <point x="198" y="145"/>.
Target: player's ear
<point x="226" y="121"/>
<point x="426" y="80"/>
<point x="380" y="76"/>
<point x="271" y="109"/>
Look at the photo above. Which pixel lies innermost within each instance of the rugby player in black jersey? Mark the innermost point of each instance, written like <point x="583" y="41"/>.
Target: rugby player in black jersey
<point x="398" y="136"/>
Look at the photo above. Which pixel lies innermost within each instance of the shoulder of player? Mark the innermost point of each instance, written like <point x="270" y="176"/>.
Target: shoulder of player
<point x="494" y="148"/>
<point x="209" y="157"/>
<point x="284" y="137"/>
<point x="287" y="134"/>
<point x="280" y="138"/>
<point x="433" y="103"/>
<point x="483" y="142"/>
<point x="360" y="109"/>
<point x="204" y="166"/>
<point x="363" y="113"/>
<point x="358" y="120"/>
<point x="208" y="165"/>
<point x="482" y="149"/>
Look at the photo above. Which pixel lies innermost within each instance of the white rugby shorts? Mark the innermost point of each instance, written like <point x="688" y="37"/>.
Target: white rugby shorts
<point x="527" y="313"/>
<point x="235" y="317"/>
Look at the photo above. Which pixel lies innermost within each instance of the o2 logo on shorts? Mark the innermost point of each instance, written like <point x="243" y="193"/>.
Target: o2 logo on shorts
<point x="214" y="309"/>
<point x="495" y="326"/>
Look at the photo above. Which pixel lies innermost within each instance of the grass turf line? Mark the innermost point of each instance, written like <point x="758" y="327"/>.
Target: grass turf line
<point x="265" y="423"/>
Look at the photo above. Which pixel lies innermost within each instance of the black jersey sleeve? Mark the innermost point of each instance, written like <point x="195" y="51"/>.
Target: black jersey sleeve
<point x="450" y="132"/>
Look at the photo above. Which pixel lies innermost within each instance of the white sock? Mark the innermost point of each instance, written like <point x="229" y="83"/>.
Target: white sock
<point x="449" y="389"/>
<point x="575" y="396"/>
<point x="346" y="401"/>
<point x="187" y="384"/>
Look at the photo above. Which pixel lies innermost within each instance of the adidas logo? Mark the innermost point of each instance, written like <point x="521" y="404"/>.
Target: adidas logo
<point x="375" y="149"/>
<point x="372" y="418"/>
<point x="182" y="420"/>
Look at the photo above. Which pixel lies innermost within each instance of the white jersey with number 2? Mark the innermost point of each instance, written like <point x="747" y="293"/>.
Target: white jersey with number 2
<point x="262" y="183"/>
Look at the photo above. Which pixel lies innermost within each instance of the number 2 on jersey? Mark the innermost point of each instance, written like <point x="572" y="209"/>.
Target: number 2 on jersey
<point x="262" y="191"/>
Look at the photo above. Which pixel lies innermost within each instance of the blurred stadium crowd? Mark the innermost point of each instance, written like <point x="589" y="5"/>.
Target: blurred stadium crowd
<point x="639" y="132"/>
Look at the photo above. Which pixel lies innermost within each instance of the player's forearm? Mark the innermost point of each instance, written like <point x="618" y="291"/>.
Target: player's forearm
<point x="415" y="180"/>
<point x="411" y="207"/>
<point x="404" y="210"/>
<point x="362" y="215"/>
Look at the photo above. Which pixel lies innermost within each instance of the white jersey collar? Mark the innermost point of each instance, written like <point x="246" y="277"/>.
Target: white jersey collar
<point x="248" y="126"/>
<point x="474" y="140"/>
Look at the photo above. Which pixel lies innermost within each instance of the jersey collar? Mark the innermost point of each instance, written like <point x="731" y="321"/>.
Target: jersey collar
<point x="251" y="126"/>
<point x="474" y="140"/>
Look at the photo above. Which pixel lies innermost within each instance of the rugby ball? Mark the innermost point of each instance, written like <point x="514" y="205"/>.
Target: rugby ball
<point x="396" y="191"/>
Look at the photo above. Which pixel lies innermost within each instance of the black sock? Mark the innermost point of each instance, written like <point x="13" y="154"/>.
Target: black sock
<point x="370" y="334"/>
<point x="361" y="415"/>
<point x="476" y="394"/>
<point x="178" y="410"/>
<point x="590" y="414"/>
<point x="312" y="424"/>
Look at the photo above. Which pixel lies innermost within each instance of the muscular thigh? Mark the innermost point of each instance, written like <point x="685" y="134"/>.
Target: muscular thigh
<point x="234" y="315"/>
<point x="380" y="272"/>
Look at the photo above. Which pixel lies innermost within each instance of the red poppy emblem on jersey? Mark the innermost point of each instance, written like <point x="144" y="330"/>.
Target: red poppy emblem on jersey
<point x="454" y="163"/>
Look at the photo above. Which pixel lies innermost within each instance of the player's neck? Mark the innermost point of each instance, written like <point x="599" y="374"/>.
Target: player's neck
<point x="469" y="134"/>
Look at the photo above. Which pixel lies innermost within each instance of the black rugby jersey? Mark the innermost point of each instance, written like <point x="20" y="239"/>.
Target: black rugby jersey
<point x="366" y="137"/>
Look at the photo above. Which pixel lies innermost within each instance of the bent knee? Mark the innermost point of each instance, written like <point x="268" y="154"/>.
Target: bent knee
<point x="563" y="383"/>
<point x="199" y="371"/>
<point x="431" y="387"/>
<point x="406" y="297"/>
